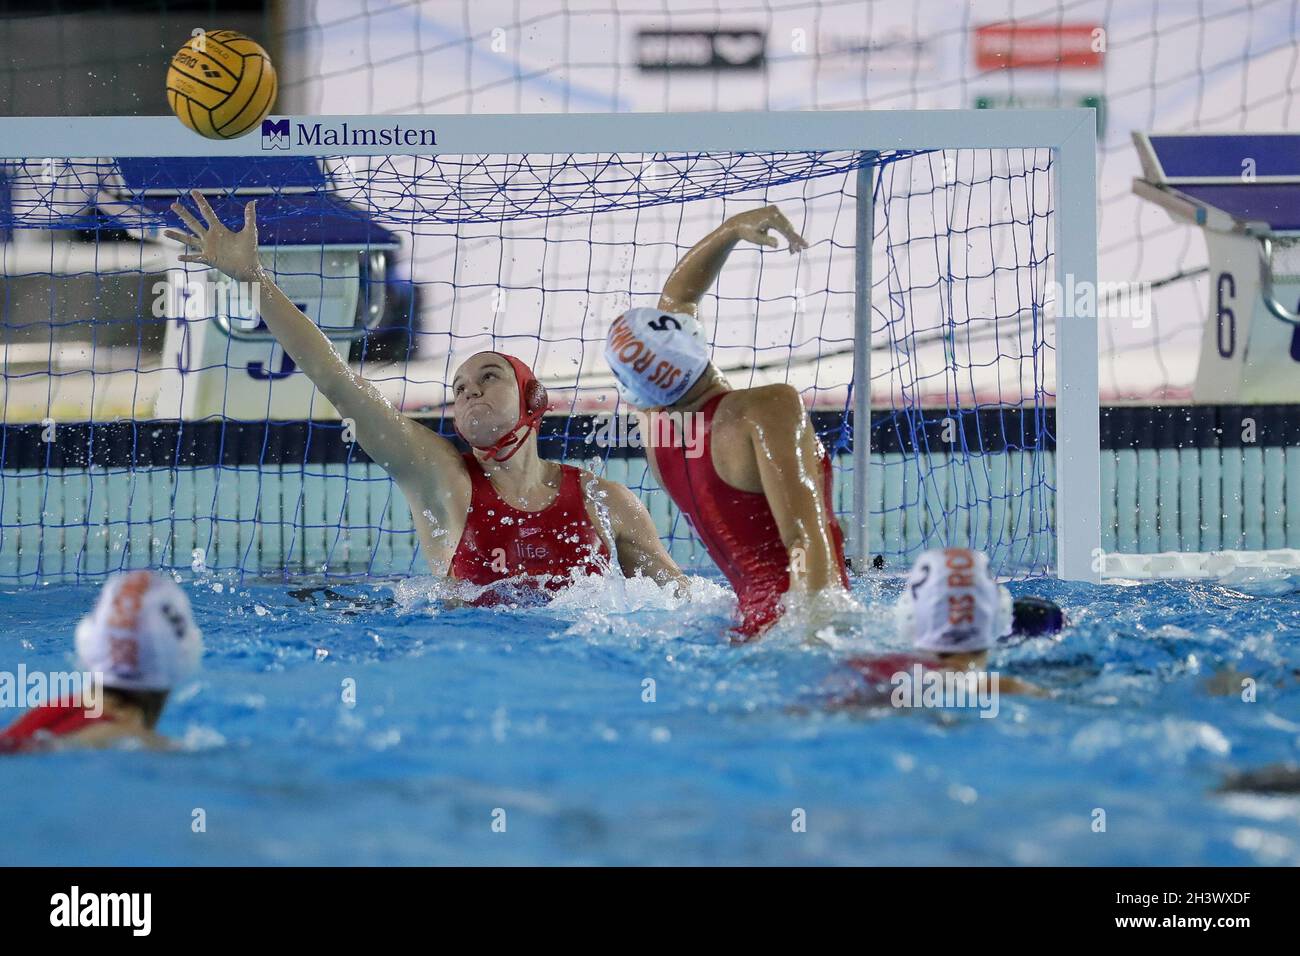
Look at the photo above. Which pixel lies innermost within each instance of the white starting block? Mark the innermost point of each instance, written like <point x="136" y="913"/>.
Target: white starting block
<point x="329" y="258"/>
<point x="221" y="359"/>
<point x="1243" y="190"/>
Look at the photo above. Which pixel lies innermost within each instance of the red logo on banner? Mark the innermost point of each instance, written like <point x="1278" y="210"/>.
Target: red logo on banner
<point x="1001" y="46"/>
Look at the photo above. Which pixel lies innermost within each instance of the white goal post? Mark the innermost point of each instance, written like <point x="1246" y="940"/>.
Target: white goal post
<point x="1068" y="135"/>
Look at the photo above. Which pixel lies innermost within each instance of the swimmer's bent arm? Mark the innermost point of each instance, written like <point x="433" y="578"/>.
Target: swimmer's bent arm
<point x="698" y="269"/>
<point x="103" y="734"/>
<point x="791" y="475"/>
<point x="637" y="538"/>
<point x="1014" y="685"/>
<point x="407" y="450"/>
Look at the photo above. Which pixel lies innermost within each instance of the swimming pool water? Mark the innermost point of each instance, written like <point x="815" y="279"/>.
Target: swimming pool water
<point x="461" y="714"/>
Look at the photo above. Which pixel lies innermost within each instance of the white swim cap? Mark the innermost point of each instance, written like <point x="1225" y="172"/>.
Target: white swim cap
<point x="655" y="356"/>
<point x="141" y="634"/>
<point x="952" y="602"/>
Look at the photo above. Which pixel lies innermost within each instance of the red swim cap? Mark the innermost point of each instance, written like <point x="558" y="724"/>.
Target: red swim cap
<point x="533" y="403"/>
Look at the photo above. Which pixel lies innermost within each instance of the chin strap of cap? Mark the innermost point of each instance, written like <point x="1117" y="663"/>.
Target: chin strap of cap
<point x="533" y="403"/>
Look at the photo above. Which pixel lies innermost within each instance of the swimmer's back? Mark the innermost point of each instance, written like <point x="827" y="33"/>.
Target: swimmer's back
<point x="721" y="493"/>
<point x="48" y="723"/>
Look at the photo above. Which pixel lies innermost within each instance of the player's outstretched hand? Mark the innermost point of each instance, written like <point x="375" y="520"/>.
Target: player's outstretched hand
<point x="756" y="226"/>
<point x="234" y="253"/>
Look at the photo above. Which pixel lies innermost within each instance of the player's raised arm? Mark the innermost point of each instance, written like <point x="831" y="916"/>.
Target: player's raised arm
<point x="699" y="268"/>
<point x="404" y="448"/>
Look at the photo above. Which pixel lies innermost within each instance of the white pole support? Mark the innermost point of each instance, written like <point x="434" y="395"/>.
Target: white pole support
<point x="1078" y="417"/>
<point x="861" y="526"/>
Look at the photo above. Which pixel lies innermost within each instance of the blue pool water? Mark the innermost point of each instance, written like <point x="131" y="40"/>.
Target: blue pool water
<point x="540" y="713"/>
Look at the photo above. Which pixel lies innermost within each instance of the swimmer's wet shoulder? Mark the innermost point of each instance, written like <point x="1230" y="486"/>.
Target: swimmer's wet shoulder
<point x="751" y="424"/>
<point x="127" y="717"/>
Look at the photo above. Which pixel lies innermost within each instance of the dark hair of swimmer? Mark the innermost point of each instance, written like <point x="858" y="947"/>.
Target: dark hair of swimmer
<point x="149" y="703"/>
<point x="1036" y="617"/>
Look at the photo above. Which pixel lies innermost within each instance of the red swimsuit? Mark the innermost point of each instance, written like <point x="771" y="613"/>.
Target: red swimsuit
<point x="737" y="527"/>
<point x="880" y="678"/>
<point x="880" y="671"/>
<point x="501" y="542"/>
<point x="44" y="722"/>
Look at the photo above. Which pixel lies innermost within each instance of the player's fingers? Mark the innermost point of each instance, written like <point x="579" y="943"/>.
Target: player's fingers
<point x="189" y="240"/>
<point x="201" y="201"/>
<point x="202" y="260"/>
<point x="787" y="230"/>
<point x="758" y="235"/>
<point x="250" y="214"/>
<point x="188" y="218"/>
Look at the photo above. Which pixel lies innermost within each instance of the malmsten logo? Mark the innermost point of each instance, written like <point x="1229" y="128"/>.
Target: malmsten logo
<point x="283" y="133"/>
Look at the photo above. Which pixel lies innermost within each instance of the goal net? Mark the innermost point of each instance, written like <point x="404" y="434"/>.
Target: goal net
<point x="149" y="420"/>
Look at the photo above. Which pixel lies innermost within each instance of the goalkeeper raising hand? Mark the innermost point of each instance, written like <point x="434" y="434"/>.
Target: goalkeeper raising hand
<point x="498" y="513"/>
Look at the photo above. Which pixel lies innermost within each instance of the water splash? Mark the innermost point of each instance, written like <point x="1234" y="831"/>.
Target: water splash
<point x="638" y="607"/>
<point x="833" y="617"/>
<point x="598" y="500"/>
